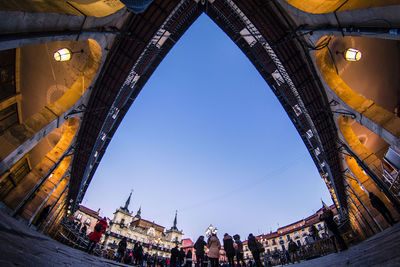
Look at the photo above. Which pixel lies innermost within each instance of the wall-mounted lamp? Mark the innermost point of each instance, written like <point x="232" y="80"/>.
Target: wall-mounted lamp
<point x="64" y="54"/>
<point x="351" y="54"/>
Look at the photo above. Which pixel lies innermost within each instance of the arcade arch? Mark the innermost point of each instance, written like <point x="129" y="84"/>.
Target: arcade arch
<point x="371" y="153"/>
<point x="31" y="191"/>
<point x="45" y="91"/>
<point x="95" y="8"/>
<point x="370" y="87"/>
<point x="322" y="6"/>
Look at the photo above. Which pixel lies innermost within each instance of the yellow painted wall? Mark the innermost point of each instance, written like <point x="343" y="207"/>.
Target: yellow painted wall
<point x="326" y="6"/>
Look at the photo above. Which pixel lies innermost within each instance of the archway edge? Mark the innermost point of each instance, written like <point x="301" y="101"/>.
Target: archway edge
<point x="365" y="107"/>
<point x="323" y="6"/>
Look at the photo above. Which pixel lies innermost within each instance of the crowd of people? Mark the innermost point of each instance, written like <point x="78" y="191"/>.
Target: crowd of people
<point x="207" y="253"/>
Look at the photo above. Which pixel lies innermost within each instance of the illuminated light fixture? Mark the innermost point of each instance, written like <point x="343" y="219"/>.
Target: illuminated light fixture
<point x="64" y="54"/>
<point x="351" y="54"/>
<point x="309" y="133"/>
<point x="116" y="111"/>
<point x="297" y="110"/>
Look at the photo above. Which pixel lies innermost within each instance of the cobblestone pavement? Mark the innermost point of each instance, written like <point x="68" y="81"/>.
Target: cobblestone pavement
<point x="22" y="246"/>
<point x="382" y="249"/>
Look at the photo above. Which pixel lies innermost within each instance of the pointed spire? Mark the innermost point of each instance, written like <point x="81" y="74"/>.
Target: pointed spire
<point x="139" y="212"/>
<point x="175" y="220"/>
<point x="125" y="208"/>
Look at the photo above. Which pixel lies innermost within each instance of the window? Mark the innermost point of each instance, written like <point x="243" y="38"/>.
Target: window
<point x="122" y="221"/>
<point x="79" y="217"/>
<point x="280" y="238"/>
<point x="8" y="117"/>
<point x="118" y="232"/>
<point x="88" y="221"/>
<point x="7" y="73"/>
<point x="273" y="242"/>
<point x="18" y="172"/>
<point x="288" y="237"/>
<point x="319" y="227"/>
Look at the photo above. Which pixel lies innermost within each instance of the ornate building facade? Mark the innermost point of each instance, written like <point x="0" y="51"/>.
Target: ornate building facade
<point x="154" y="239"/>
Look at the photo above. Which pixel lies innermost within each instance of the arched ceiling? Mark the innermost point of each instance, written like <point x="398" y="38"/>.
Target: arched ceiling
<point x="147" y="38"/>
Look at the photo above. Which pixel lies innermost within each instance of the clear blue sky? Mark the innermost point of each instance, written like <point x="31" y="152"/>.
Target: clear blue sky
<point x="207" y="137"/>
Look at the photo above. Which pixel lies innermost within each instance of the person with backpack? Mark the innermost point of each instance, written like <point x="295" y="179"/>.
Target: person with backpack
<point x="239" y="250"/>
<point x="95" y="236"/>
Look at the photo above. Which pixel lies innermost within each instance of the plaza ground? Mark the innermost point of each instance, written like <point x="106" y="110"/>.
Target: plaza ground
<point x="22" y="246"/>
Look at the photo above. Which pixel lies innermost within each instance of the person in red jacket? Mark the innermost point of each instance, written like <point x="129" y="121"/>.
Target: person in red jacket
<point x="94" y="237"/>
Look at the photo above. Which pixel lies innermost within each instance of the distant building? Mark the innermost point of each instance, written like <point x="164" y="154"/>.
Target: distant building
<point x="153" y="237"/>
<point x="297" y="231"/>
<point x="87" y="217"/>
<point x="188" y="244"/>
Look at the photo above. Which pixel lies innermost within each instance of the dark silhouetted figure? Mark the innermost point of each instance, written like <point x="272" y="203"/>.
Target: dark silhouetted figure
<point x="121" y="249"/>
<point x="254" y="247"/>
<point x="314" y="232"/>
<point x="138" y="254"/>
<point x="378" y="204"/>
<point x="189" y="258"/>
<point x="199" y="247"/>
<point x="292" y="247"/>
<point x="174" y="256"/>
<point x="42" y="216"/>
<point x="181" y="257"/>
<point x="84" y="230"/>
<point x="327" y="217"/>
<point x="229" y="249"/>
<point x="238" y="250"/>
